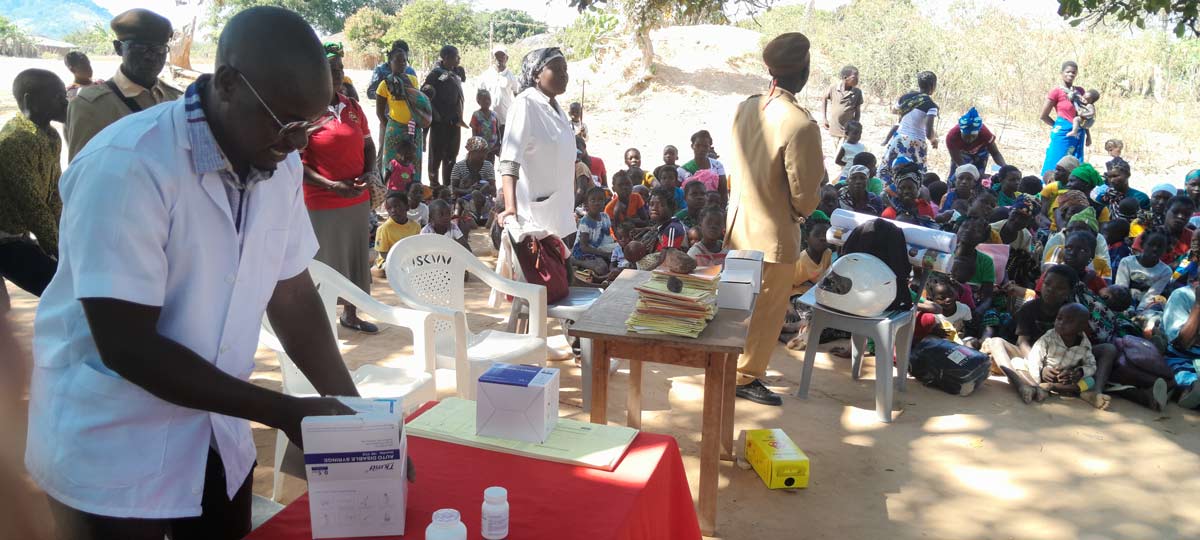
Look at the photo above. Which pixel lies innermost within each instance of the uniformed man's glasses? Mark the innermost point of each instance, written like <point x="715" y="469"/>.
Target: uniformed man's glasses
<point x="141" y="47"/>
<point x="293" y="134"/>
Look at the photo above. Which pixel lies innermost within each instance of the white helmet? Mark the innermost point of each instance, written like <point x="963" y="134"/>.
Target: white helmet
<point x="858" y="284"/>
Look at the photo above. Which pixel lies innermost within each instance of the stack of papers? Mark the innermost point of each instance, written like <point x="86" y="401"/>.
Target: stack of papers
<point x="596" y="446"/>
<point x="685" y="313"/>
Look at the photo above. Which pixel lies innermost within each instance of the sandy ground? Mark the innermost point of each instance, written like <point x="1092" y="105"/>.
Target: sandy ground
<point x="980" y="467"/>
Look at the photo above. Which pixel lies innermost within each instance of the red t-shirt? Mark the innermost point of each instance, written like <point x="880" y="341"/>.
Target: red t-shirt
<point x="597" y="168"/>
<point x="924" y="208"/>
<point x="1062" y="103"/>
<point x="335" y="151"/>
<point x="954" y="140"/>
<point x="1177" y="250"/>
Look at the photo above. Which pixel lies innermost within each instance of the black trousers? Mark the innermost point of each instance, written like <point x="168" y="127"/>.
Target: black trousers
<point x="221" y="518"/>
<point x="444" y="140"/>
<point x="26" y="265"/>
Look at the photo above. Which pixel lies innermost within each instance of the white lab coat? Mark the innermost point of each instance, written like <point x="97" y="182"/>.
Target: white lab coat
<point x="141" y="224"/>
<point x="541" y="139"/>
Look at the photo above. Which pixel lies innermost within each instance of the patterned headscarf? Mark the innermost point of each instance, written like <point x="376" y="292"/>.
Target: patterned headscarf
<point x="1027" y="204"/>
<point x="475" y="144"/>
<point x="1072" y="197"/>
<point x="534" y="62"/>
<point x="1087" y="173"/>
<point x="334" y="49"/>
<point x="970" y="123"/>
<point x="1087" y="216"/>
<point x="858" y="169"/>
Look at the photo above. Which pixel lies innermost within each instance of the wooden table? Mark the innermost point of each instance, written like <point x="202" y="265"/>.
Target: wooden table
<point x="715" y="351"/>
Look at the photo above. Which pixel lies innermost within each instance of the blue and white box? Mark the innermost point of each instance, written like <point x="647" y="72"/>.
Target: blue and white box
<point x="357" y="481"/>
<point x="517" y="402"/>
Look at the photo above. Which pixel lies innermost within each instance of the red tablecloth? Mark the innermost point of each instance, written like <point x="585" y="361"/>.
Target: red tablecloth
<point x="646" y="497"/>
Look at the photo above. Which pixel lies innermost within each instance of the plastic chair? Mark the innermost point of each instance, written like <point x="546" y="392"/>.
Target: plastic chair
<point x="427" y="272"/>
<point x="568" y="310"/>
<point x="413" y="383"/>
<point x="892" y="333"/>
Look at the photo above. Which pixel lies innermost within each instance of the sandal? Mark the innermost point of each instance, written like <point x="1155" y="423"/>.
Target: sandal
<point x="360" y="326"/>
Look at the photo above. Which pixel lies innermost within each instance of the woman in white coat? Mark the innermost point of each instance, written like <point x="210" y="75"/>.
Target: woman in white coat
<point x="537" y="160"/>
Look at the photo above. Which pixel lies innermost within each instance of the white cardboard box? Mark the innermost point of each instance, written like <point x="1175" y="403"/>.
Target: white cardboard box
<point x="736" y="290"/>
<point x="517" y="402"/>
<point x="355" y="464"/>
<point x="745" y="260"/>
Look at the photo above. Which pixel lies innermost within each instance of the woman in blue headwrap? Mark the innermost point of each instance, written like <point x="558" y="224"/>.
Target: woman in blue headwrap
<point x="970" y="142"/>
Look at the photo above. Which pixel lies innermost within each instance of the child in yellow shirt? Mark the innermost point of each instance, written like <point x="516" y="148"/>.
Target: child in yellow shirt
<point x="396" y="228"/>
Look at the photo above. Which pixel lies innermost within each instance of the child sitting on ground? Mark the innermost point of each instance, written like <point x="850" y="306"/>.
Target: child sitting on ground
<point x="485" y="125"/>
<point x="402" y="170"/>
<point x="441" y="222"/>
<point x="810" y="266"/>
<point x="633" y="160"/>
<point x="713" y="199"/>
<point x="671" y="157"/>
<point x="594" y="244"/>
<point x="625" y="205"/>
<point x="1085" y="114"/>
<point x="710" y="249"/>
<point x="668" y="178"/>
<point x="474" y="181"/>
<point x="396" y="228"/>
<point x="418" y="211"/>
<point x="981" y="279"/>
<point x="665" y="230"/>
<point x="1061" y="361"/>
<point x="694" y="196"/>
<point x="829" y="200"/>
<point x="958" y="199"/>
<point x="951" y="321"/>
<point x="1146" y="275"/>
<point x="1116" y="234"/>
<point x="852" y="146"/>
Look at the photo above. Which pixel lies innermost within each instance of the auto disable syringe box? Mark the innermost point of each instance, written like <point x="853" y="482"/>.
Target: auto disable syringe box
<point x="357" y="482"/>
<point x="517" y="402"/>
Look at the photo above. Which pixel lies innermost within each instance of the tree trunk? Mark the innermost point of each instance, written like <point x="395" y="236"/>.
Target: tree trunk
<point x="643" y="69"/>
<point x="181" y="46"/>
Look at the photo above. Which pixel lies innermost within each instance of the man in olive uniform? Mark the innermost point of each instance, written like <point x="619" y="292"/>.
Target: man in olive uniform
<point x="776" y="158"/>
<point x="141" y="43"/>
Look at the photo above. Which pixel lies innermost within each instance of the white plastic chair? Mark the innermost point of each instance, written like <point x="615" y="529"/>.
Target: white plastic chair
<point x="414" y="383"/>
<point x="427" y="272"/>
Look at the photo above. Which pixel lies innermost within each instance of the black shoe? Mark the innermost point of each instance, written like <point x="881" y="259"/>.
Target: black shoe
<point x="758" y="393"/>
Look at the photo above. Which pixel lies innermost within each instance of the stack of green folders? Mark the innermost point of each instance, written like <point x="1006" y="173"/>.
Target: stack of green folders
<point x="685" y="313"/>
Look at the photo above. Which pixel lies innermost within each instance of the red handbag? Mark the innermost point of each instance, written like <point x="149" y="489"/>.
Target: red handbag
<point x="544" y="262"/>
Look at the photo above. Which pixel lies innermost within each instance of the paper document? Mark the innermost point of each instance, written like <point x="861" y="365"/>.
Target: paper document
<point x="572" y="442"/>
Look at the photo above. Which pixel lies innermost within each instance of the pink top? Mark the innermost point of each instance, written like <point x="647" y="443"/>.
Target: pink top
<point x="1062" y="103"/>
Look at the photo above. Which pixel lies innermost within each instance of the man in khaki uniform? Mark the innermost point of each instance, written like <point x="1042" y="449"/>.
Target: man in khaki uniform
<point x="141" y="42"/>
<point x="778" y="169"/>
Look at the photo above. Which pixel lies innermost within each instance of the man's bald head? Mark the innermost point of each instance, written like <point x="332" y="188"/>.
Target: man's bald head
<point x="40" y="95"/>
<point x="271" y="79"/>
<point x="272" y="45"/>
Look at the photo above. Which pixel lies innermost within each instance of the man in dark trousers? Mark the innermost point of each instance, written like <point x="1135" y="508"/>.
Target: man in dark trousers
<point x="182" y="226"/>
<point x="443" y="85"/>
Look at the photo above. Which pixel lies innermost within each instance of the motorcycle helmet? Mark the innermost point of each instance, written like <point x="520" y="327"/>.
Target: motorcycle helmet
<point x="858" y="284"/>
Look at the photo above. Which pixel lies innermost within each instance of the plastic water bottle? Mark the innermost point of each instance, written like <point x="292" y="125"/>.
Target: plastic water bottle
<point x="495" y="514"/>
<point x="446" y="525"/>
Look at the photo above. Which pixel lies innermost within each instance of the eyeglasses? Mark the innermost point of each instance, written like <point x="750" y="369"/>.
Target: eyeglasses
<point x="293" y="134"/>
<point x="139" y="47"/>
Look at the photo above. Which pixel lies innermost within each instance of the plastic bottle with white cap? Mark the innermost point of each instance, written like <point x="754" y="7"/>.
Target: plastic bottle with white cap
<point x="494" y="514"/>
<point x="446" y="525"/>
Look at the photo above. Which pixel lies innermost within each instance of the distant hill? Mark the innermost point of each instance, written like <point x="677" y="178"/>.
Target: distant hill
<point x="54" y="18"/>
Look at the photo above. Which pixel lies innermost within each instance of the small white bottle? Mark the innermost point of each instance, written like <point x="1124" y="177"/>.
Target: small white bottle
<point x="446" y="525"/>
<point x="495" y="513"/>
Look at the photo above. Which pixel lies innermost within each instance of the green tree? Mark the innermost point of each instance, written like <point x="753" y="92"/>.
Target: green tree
<point x="511" y="25"/>
<point x="96" y="39"/>
<point x="366" y="28"/>
<point x="1180" y="15"/>
<point x="13" y="40"/>
<point x="329" y="16"/>
<point x="427" y="25"/>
